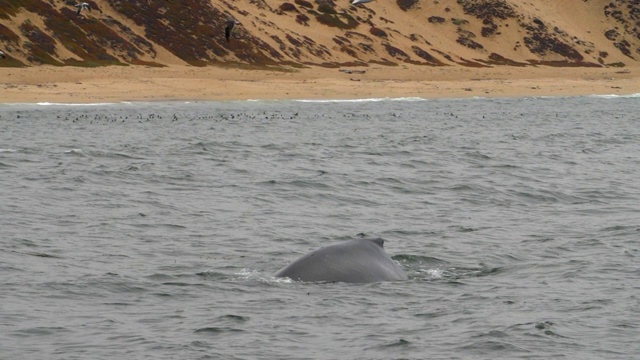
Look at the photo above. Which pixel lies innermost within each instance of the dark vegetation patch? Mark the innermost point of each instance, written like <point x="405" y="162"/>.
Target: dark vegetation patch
<point x="378" y="32"/>
<point x="146" y="63"/>
<point x="406" y="4"/>
<point x="465" y="37"/>
<point x="489" y="30"/>
<point x="10" y="8"/>
<point x="436" y="19"/>
<point x="386" y="21"/>
<point x="293" y="41"/>
<point x="383" y="62"/>
<point x="612" y="34"/>
<point x="497" y="59"/>
<point x="305" y="42"/>
<point x="41" y="47"/>
<point x="564" y="63"/>
<point x="320" y="51"/>
<point x="366" y="48"/>
<point x="418" y="37"/>
<point x="178" y="26"/>
<point x="354" y="34"/>
<point x="426" y="56"/>
<point x="280" y="43"/>
<point x="302" y="19"/>
<point x="181" y="31"/>
<point x="354" y="63"/>
<point x="328" y="65"/>
<point x="38" y="37"/>
<point x="468" y="42"/>
<point x="261" y="55"/>
<point x="349" y="51"/>
<point x="444" y="55"/>
<point x="540" y="25"/>
<point x="488" y="11"/>
<point x="542" y="40"/>
<point x="395" y="52"/>
<point x="295" y="52"/>
<point x="341" y="40"/>
<point x="304" y="4"/>
<point x="10" y="39"/>
<point x="459" y="22"/>
<point x="624" y="47"/>
<point x="336" y="65"/>
<point x="326" y="6"/>
<point x="543" y="44"/>
<point x="340" y="21"/>
<point x="66" y="32"/>
<point x="8" y="36"/>
<point x="140" y="42"/>
<point x="326" y="9"/>
<point x="627" y="14"/>
<point x="473" y="64"/>
<point x="10" y="62"/>
<point x="76" y="40"/>
<point x="288" y="7"/>
<point x="105" y="37"/>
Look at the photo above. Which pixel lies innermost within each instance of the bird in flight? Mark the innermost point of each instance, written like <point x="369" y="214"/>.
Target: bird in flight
<point x="356" y="2"/>
<point x="231" y="22"/>
<point x="82" y="6"/>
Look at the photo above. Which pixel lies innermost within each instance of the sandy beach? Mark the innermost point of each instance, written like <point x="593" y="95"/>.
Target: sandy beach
<point x="179" y="82"/>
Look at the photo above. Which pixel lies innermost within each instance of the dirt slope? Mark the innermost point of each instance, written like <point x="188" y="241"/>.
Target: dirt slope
<point x="472" y="33"/>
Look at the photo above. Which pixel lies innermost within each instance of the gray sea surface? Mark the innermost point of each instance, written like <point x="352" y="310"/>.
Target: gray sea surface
<point x="153" y="230"/>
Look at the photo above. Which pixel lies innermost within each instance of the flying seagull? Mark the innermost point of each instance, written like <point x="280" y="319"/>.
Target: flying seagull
<point x="1" y="55"/>
<point x="356" y="2"/>
<point x="229" y="27"/>
<point x="82" y="6"/>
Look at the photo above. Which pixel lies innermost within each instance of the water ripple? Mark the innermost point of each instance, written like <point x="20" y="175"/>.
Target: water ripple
<point x="154" y="229"/>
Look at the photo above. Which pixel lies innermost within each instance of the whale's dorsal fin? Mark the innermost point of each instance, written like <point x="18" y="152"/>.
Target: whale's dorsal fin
<point x="361" y="260"/>
<point x="378" y="241"/>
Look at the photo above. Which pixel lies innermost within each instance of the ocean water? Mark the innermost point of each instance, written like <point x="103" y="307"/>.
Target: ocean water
<point x="152" y="230"/>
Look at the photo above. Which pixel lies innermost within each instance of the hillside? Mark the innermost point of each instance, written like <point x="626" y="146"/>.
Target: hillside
<point x="471" y="33"/>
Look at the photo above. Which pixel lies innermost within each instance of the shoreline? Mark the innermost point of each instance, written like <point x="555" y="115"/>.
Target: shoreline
<point x="49" y="84"/>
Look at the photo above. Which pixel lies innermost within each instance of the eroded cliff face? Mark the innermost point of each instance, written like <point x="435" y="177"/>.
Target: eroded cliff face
<point x="472" y="33"/>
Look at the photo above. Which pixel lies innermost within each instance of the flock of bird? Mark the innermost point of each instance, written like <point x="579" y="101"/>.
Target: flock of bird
<point x="223" y="116"/>
<point x="228" y="28"/>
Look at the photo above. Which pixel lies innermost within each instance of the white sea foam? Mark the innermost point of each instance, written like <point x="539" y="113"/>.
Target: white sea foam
<point x="434" y="273"/>
<point x="75" y="152"/>
<point x="616" y="96"/>
<point x="74" y="104"/>
<point x="360" y="100"/>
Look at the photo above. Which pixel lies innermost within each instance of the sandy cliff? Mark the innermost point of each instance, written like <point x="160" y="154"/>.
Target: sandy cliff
<point x="470" y="33"/>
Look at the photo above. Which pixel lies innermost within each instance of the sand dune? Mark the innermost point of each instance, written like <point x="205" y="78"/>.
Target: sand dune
<point x="438" y="48"/>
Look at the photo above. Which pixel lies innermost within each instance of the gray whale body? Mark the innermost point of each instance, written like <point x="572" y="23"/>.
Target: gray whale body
<point x="353" y="261"/>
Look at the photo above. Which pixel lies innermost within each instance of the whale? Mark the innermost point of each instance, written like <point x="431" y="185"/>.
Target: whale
<point x="352" y="261"/>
